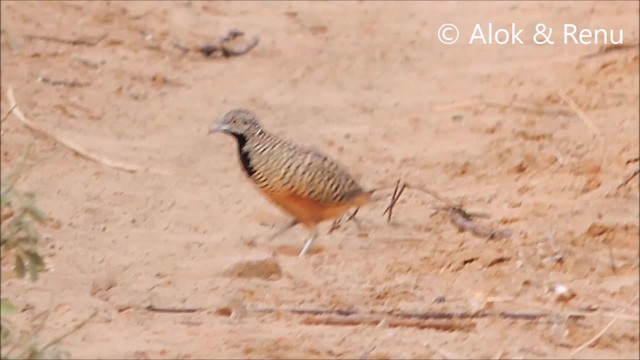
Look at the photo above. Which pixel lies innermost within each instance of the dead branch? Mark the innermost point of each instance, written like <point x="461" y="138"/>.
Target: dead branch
<point x="156" y="309"/>
<point x="73" y="146"/>
<point x="441" y="325"/>
<point x="628" y="180"/>
<point x="72" y="83"/>
<point x="85" y="41"/>
<point x="458" y="216"/>
<point x="427" y="315"/>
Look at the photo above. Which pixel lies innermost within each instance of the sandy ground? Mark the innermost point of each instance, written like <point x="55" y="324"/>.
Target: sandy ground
<point x="371" y="85"/>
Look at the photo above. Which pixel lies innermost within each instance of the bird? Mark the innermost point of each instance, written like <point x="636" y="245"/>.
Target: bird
<point x="302" y="181"/>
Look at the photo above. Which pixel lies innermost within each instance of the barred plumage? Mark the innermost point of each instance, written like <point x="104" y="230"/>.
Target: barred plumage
<point x="305" y="183"/>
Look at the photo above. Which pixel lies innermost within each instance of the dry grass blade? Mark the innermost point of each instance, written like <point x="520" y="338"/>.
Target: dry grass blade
<point x="75" y="147"/>
<point x="75" y="328"/>
<point x="575" y="351"/>
<point x="572" y="104"/>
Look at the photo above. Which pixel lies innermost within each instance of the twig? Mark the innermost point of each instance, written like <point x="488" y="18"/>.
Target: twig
<point x="427" y="315"/>
<point x="87" y="42"/>
<point x="223" y="45"/>
<point x="442" y="325"/>
<point x="624" y="183"/>
<point x="464" y="222"/>
<point x="75" y="147"/>
<point x="458" y="216"/>
<point x="77" y="327"/>
<point x="592" y="340"/>
<point x="8" y="113"/>
<point x="394" y="199"/>
<point x="72" y="83"/>
<point x="153" y="308"/>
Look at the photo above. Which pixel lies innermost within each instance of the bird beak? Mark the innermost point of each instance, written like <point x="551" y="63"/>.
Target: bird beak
<point x="219" y="127"/>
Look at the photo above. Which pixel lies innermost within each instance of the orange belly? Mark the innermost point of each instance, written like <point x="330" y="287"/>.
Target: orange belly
<point x="311" y="212"/>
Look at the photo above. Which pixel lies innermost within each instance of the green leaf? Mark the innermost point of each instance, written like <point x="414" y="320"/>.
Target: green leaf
<point x="7" y="308"/>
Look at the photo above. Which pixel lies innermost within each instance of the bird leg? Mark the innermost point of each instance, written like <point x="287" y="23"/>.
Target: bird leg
<point x="309" y="242"/>
<point x="337" y="222"/>
<point x="284" y="228"/>
<point x="353" y="217"/>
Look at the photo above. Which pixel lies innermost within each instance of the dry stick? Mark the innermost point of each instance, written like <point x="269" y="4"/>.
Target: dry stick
<point x="464" y="222"/>
<point x="8" y="113"/>
<point x="592" y="340"/>
<point x="153" y="308"/>
<point x="77" y="327"/>
<point x="459" y="217"/>
<point x="428" y="315"/>
<point x="87" y="42"/>
<point x="624" y="183"/>
<point x="442" y="325"/>
<point x="75" y="147"/>
<point x="72" y="83"/>
<point x="394" y="199"/>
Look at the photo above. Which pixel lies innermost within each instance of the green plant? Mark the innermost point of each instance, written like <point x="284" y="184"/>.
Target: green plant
<point x="18" y="232"/>
<point x="19" y="236"/>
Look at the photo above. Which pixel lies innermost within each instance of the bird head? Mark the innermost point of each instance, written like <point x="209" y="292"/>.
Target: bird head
<point x="237" y="122"/>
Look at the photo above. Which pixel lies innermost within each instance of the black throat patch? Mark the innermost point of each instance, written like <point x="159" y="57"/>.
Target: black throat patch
<point x="244" y="155"/>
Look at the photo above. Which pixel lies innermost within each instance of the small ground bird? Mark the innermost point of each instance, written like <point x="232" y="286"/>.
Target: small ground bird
<point x="303" y="182"/>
